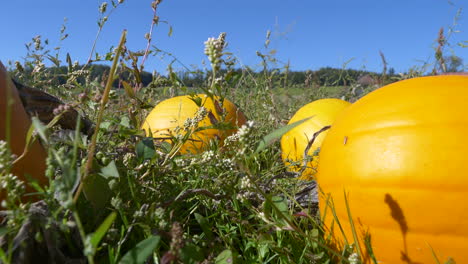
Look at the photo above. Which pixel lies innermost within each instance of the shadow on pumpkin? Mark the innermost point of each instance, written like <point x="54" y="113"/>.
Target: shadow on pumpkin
<point x="397" y="214"/>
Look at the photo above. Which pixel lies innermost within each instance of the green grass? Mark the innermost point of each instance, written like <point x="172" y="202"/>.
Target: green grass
<point x="137" y="197"/>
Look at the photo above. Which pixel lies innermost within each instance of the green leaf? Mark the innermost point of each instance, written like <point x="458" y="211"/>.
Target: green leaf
<point x="141" y="251"/>
<point x="110" y="171"/>
<point x="96" y="190"/>
<point x="281" y="204"/>
<point x="102" y="229"/>
<point x="105" y="125"/>
<point x="145" y="149"/>
<point x="125" y="122"/>
<point x="175" y="79"/>
<point x="40" y="128"/>
<point x="165" y="146"/>
<point x="191" y="254"/>
<point x="197" y="100"/>
<point x="277" y="134"/>
<point x="4" y="231"/>
<point x="128" y="89"/>
<point x="205" y="225"/>
<point x="225" y="257"/>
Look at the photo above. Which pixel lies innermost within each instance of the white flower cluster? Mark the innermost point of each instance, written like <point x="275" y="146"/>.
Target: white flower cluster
<point x="242" y="139"/>
<point x="5" y="157"/>
<point x="241" y="134"/>
<point x="128" y="158"/>
<point x="192" y="123"/>
<point x="208" y="156"/>
<point x="11" y="184"/>
<point x="214" y="50"/>
<point x="245" y="183"/>
<point x="227" y="164"/>
<point x="354" y="259"/>
<point x="180" y="162"/>
<point x="246" y="190"/>
<point x="245" y="130"/>
<point x="224" y="163"/>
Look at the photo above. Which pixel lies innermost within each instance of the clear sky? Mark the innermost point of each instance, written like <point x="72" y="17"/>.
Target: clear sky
<point x="309" y="33"/>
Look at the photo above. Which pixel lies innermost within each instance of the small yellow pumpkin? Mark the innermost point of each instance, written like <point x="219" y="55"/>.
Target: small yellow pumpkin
<point x="293" y="144"/>
<point x="400" y="155"/>
<point x="172" y="113"/>
<point x="34" y="162"/>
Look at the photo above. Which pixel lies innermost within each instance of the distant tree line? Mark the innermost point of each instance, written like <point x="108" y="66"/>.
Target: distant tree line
<point x="326" y="76"/>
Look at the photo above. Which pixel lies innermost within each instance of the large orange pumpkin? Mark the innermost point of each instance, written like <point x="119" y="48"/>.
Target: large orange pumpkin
<point x="293" y="144"/>
<point x="171" y="113"/>
<point x="400" y="154"/>
<point x="34" y="162"/>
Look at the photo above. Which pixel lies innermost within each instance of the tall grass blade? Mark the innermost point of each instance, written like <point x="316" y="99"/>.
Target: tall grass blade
<point x="277" y="134"/>
<point x="102" y="229"/>
<point x="105" y="98"/>
<point x="353" y="227"/>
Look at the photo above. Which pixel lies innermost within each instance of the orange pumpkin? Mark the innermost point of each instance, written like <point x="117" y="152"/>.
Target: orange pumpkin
<point x="293" y="144"/>
<point x="34" y="162"/>
<point x="400" y="155"/>
<point x="172" y="113"/>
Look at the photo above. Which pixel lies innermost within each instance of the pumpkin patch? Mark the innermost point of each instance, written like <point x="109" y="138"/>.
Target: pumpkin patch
<point x="293" y="144"/>
<point x="172" y="117"/>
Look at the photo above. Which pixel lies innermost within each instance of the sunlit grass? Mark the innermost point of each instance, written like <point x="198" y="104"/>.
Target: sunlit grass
<point x="130" y="199"/>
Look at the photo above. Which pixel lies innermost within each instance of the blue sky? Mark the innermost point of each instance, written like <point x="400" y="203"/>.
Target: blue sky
<point x="309" y="33"/>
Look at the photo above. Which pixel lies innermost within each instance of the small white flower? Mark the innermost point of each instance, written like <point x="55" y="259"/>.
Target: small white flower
<point x="207" y="155"/>
<point x="245" y="183"/>
<point x="354" y="259"/>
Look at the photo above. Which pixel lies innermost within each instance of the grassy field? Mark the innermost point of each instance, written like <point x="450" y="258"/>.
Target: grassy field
<point x="143" y="203"/>
<point x="124" y="198"/>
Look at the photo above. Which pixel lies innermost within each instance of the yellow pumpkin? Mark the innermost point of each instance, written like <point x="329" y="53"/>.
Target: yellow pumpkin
<point x="400" y="154"/>
<point x="322" y="112"/>
<point x="171" y="113"/>
<point x="34" y="162"/>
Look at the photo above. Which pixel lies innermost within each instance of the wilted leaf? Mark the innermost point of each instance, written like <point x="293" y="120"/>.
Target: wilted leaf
<point x="128" y="89"/>
<point x="170" y="31"/>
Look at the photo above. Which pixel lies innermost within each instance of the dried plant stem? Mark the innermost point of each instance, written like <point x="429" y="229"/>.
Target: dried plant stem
<point x="309" y="145"/>
<point x="95" y="40"/>
<point x="104" y="100"/>
<point x="191" y="192"/>
<point x="150" y="33"/>
<point x="384" y="70"/>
